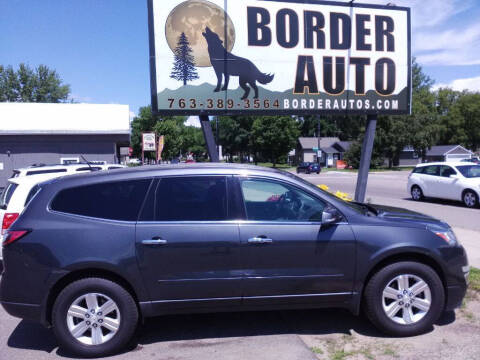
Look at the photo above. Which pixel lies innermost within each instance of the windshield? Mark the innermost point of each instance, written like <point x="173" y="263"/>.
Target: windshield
<point x="356" y="206"/>
<point x="470" y="171"/>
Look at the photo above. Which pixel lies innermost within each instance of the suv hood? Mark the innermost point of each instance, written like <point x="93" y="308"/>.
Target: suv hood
<point x="407" y="216"/>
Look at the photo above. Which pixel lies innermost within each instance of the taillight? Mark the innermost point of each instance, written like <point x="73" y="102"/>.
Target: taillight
<point x="12" y="236"/>
<point x="8" y="220"/>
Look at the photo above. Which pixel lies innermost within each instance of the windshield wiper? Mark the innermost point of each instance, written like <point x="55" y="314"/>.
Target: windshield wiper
<point x="367" y="207"/>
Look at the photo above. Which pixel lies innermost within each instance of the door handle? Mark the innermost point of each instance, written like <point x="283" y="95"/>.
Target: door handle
<point x="154" y="241"/>
<point x="259" y="240"/>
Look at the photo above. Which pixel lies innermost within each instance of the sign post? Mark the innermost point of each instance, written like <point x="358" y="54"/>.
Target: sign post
<point x="366" y="157"/>
<point x="148" y="144"/>
<point x="279" y="57"/>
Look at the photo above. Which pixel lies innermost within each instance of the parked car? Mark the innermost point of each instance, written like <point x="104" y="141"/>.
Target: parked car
<point x="67" y="169"/>
<point x="17" y="194"/>
<point x="21" y="187"/>
<point x="95" y="253"/>
<point x="474" y="160"/>
<point x="309" y="167"/>
<point x="446" y="180"/>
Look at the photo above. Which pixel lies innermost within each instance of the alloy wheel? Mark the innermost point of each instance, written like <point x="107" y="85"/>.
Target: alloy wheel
<point x="416" y="193"/>
<point x="93" y="319"/>
<point x="406" y="299"/>
<point x="470" y="199"/>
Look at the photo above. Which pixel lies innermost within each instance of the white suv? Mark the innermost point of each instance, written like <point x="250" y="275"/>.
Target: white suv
<point x="446" y="180"/>
<point x="65" y="169"/>
<point x="22" y="186"/>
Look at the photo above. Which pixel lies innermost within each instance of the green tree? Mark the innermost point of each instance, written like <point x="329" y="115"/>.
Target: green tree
<point x="274" y="136"/>
<point x="173" y="138"/>
<point x="144" y="122"/>
<point x="32" y="85"/>
<point x="234" y="135"/>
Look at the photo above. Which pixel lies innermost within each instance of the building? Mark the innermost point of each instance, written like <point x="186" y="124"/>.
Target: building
<point x="332" y="149"/>
<point x="37" y="133"/>
<point x="447" y="153"/>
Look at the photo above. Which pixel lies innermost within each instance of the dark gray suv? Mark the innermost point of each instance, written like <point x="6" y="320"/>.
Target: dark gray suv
<point x="93" y="254"/>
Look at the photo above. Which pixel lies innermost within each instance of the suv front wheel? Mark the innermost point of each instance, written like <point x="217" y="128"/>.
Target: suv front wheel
<point x="404" y="298"/>
<point x="94" y="317"/>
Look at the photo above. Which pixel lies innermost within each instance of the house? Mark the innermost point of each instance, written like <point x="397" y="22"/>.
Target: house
<point x="331" y="150"/>
<point x="447" y="153"/>
<point x="38" y="133"/>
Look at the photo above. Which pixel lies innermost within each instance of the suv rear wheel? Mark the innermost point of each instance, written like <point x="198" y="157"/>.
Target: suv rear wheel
<point x="94" y="317"/>
<point x="404" y="299"/>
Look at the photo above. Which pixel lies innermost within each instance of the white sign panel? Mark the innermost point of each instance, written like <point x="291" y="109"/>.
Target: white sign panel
<point x="149" y="143"/>
<point x="290" y="56"/>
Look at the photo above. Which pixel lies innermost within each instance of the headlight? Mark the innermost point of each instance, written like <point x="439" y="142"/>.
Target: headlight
<point x="448" y="236"/>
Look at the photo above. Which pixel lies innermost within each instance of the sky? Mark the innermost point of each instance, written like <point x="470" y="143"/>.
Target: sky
<point x="100" y="47"/>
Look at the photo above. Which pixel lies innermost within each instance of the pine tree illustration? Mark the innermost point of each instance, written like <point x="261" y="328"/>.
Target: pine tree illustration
<point x="184" y="65"/>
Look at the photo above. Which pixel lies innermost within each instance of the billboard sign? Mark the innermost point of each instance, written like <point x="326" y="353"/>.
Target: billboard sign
<point x="279" y="56"/>
<point x="149" y="142"/>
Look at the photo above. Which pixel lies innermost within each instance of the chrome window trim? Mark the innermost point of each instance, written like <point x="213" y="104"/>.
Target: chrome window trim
<point x="238" y="222"/>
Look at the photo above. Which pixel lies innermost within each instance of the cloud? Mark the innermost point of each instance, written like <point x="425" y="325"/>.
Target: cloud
<point x="193" y="121"/>
<point x="131" y="115"/>
<point x="472" y="84"/>
<point x="438" y="38"/>
<point x="81" y="99"/>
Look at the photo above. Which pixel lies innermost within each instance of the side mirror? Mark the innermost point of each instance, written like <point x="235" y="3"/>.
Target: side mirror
<point x="331" y="216"/>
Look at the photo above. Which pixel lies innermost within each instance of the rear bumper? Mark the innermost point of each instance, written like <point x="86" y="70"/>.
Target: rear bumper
<point x="24" y="311"/>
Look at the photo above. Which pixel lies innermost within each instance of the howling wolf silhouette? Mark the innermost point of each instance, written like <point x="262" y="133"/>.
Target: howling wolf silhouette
<point x="225" y="63"/>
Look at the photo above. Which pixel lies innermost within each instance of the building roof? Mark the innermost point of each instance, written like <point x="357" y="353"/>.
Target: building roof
<point x="58" y="119"/>
<point x="441" y="150"/>
<point x="312" y="142"/>
<point x="344" y="145"/>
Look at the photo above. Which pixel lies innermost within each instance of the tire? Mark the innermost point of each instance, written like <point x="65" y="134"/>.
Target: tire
<point x="470" y="199"/>
<point x="124" y="315"/>
<point x="408" y="320"/>
<point x="318" y="172"/>
<point x="417" y="193"/>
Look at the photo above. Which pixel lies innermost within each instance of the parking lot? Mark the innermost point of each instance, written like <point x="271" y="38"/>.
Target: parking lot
<point x="292" y="335"/>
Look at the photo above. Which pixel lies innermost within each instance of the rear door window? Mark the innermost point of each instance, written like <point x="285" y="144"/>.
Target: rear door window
<point x="115" y="200"/>
<point x="446" y="171"/>
<point x="199" y="198"/>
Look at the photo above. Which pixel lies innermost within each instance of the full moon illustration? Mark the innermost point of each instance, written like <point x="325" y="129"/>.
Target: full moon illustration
<point x="192" y="17"/>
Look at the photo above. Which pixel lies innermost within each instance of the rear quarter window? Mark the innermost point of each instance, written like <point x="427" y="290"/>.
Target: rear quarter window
<point x="418" y="170"/>
<point x="7" y="195"/>
<point x="120" y="200"/>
